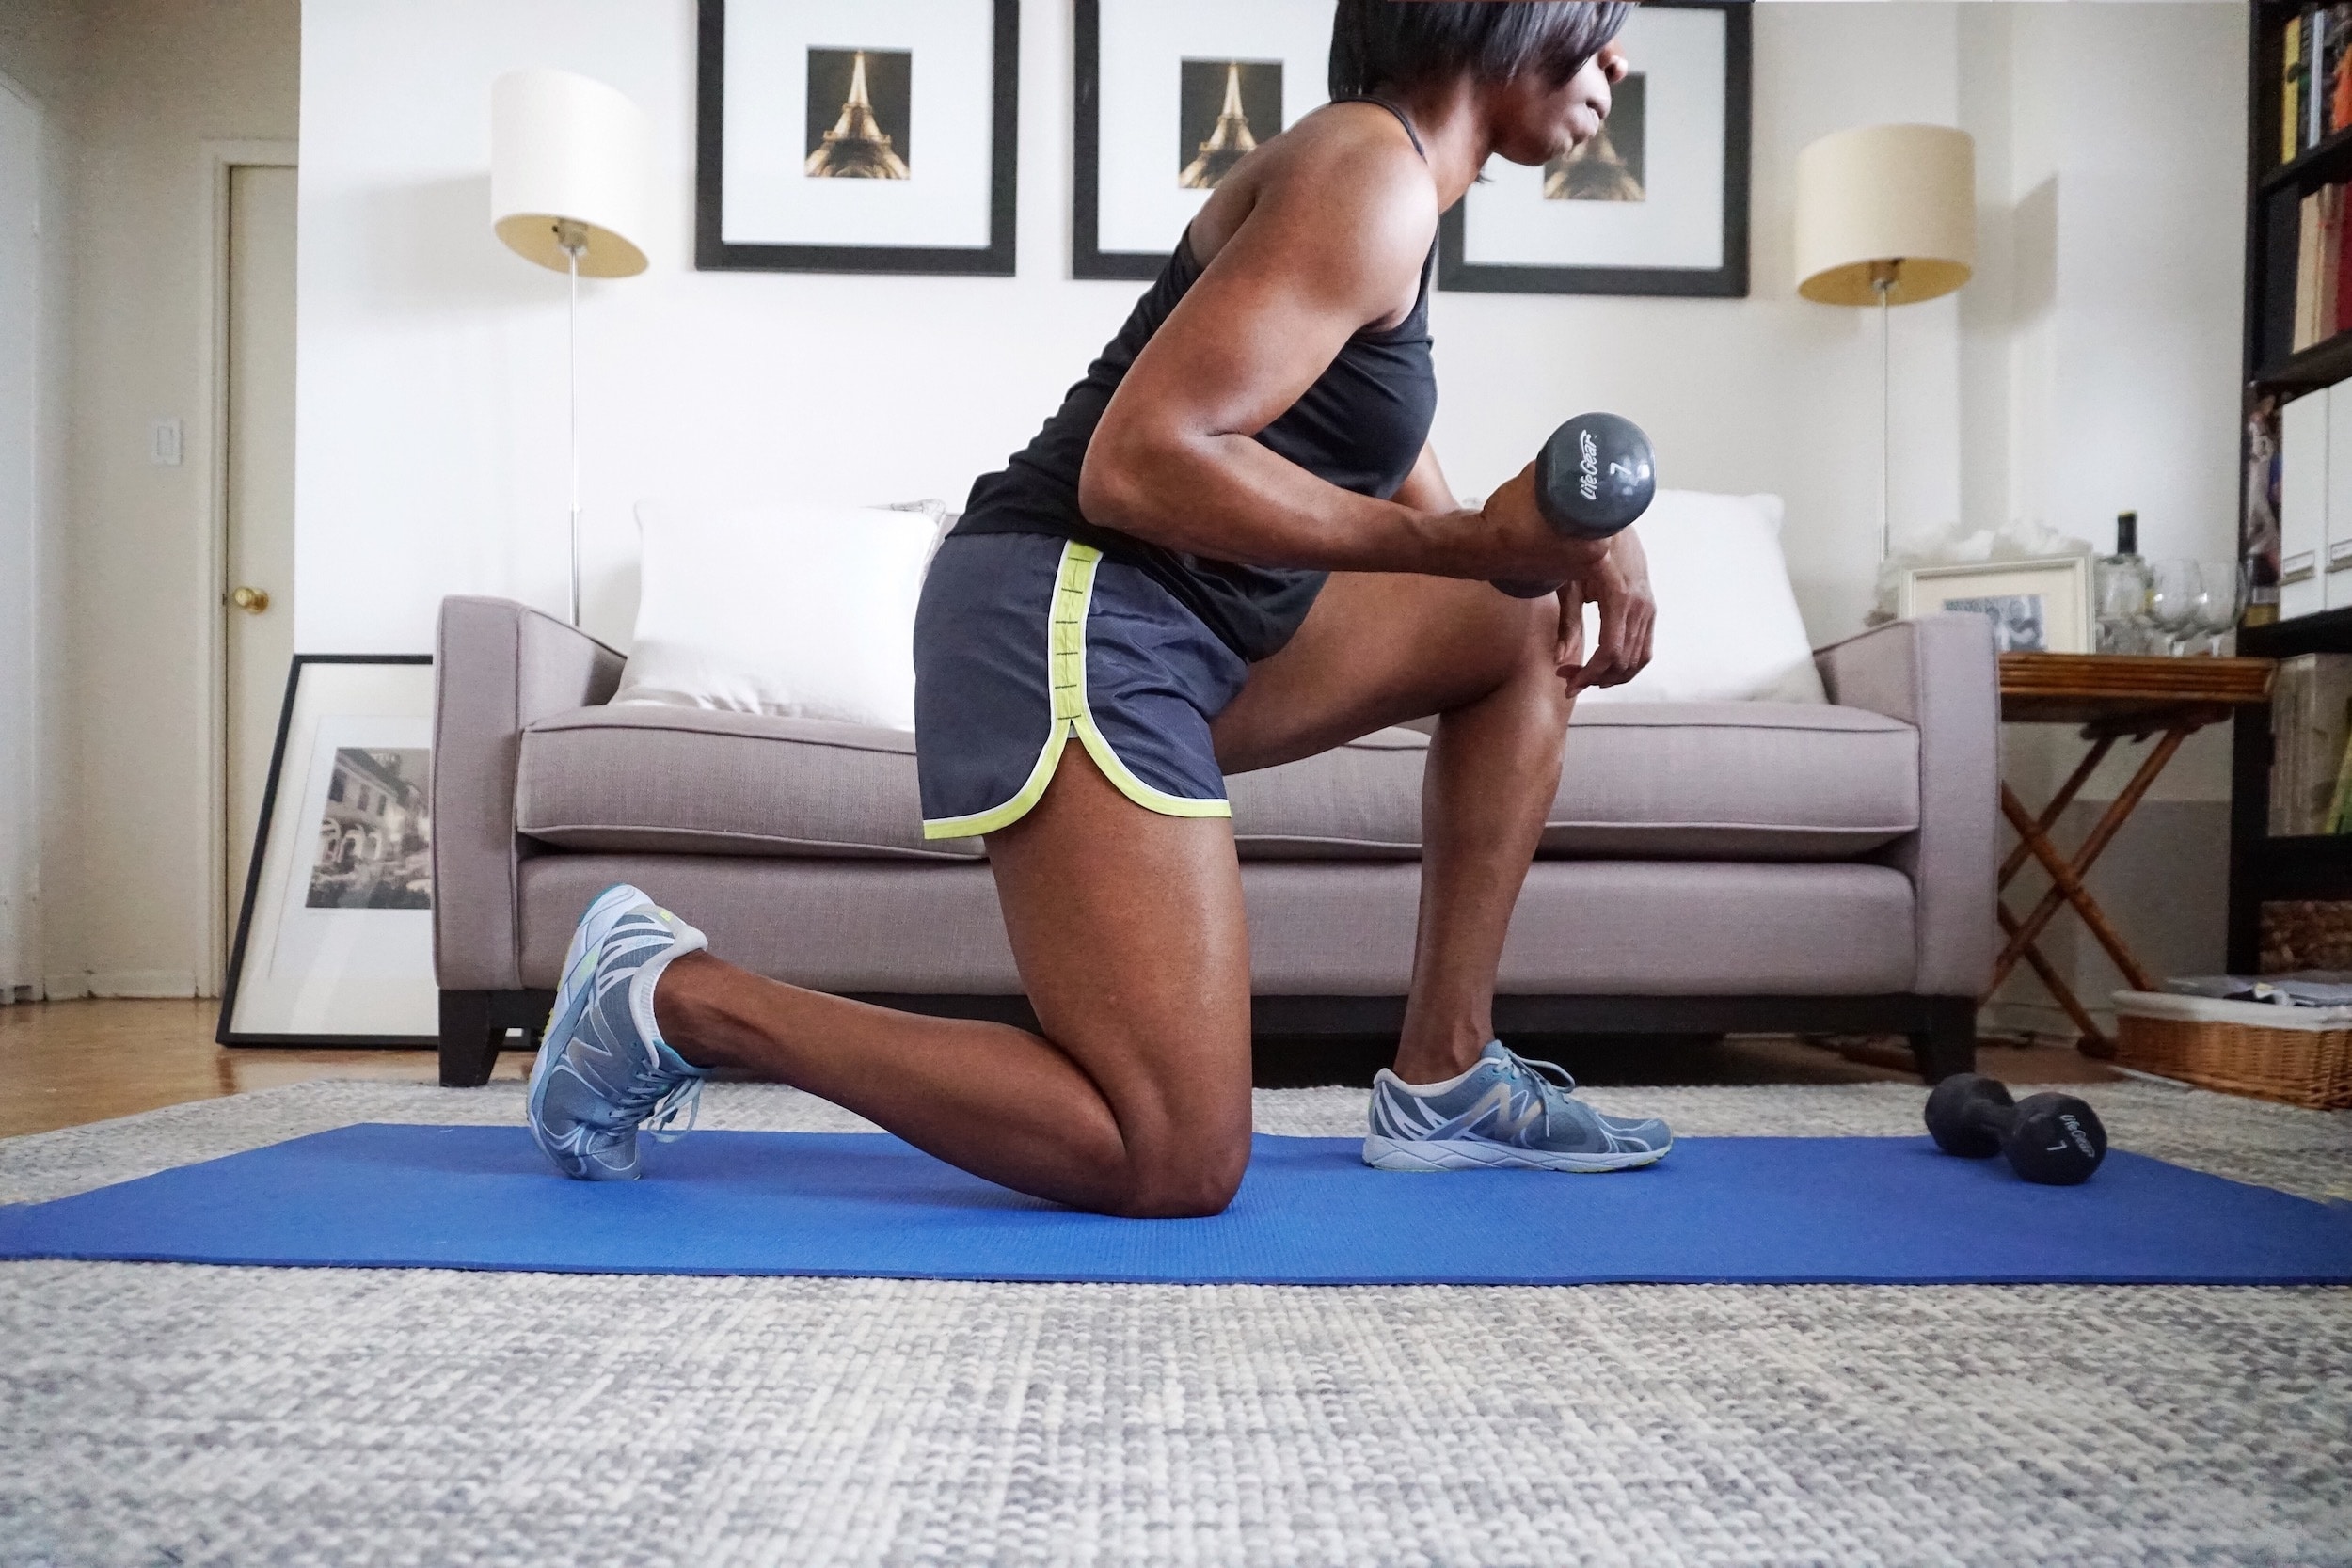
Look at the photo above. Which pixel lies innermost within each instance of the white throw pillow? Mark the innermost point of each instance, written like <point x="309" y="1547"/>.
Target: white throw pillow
<point x="806" y="612"/>
<point x="1728" y="629"/>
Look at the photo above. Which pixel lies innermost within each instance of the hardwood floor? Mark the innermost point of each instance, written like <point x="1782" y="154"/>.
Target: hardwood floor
<point x="67" y="1062"/>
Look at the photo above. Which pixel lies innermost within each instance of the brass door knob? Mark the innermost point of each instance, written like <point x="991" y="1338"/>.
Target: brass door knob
<point x="253" y="601"/>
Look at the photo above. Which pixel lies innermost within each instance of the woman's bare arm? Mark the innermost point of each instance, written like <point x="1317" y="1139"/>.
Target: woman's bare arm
<point x="1336" y="236"/>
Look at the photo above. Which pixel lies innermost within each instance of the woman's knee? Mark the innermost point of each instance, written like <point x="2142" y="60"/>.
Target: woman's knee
<point x="1190" y="1182"/>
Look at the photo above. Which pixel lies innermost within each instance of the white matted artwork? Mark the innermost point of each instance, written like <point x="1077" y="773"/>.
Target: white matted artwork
<point x="335" y="938"/>
<point x="1657" y="204"/>
<point x="857" y="136"/>
<point x="2036" y="607"/>
<point x="1169" y="96"/>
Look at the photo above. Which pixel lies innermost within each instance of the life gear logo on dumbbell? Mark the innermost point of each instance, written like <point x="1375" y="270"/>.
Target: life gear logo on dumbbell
<point x="1593" y="478"/>
<point x="2077" y="1136"/>
<point x="2053" y="1139"/>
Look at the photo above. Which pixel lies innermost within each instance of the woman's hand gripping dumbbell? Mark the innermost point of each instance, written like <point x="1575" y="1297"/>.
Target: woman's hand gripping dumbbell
<point x="1592" y="479"/>
<point x="2054" y="1139"/>
<point x="1573" y="505"/>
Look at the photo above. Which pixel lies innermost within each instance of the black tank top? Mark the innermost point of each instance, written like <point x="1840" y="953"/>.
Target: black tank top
<point x="1360" y="426"/>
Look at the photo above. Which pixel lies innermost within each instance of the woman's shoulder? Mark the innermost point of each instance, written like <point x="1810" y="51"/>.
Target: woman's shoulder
<point x="1348" y="169"/>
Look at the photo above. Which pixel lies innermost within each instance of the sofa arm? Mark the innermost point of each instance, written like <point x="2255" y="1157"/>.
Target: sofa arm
<point x="498" y="667"/>
<point x="1939" y="673"/>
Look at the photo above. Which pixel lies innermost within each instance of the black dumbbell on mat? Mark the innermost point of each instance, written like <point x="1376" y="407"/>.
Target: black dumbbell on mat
<point x="2054" y="1139"/>
<point x="1592" y="479"/>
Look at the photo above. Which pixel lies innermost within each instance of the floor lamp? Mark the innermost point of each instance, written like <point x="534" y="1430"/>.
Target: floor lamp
<point x="1886" y="216"/>
<point x="570" y="164"/>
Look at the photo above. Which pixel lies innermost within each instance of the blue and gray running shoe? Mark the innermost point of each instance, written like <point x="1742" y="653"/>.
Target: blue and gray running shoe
<point x="604" y="1072"/>
<point x="1506" y="1111"/>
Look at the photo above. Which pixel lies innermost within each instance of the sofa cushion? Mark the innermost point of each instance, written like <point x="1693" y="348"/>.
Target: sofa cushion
<point x="651" y="778"/>
<point x="1581" y="928"/>
<point x="1738" y="781"/>
<point x="1690" y="781"/>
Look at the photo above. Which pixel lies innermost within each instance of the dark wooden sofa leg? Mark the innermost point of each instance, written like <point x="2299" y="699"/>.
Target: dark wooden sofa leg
<point x="470" y="1038"/>
<point x="1947" y="1044"/>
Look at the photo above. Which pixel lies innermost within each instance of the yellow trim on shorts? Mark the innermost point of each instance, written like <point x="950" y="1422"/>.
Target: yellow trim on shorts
<point x="1066" y="674"/>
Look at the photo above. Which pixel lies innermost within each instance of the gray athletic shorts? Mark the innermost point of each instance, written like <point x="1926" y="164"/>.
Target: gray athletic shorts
<point x="1023" y="641"/>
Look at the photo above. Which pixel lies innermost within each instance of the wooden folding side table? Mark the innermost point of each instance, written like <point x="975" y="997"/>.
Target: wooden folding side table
<point x="2113" y="698"/>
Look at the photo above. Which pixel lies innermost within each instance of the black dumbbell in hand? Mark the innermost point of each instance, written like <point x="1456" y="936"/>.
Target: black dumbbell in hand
<point x="1592" y="479"/>
<point x="2054" y="1139"/>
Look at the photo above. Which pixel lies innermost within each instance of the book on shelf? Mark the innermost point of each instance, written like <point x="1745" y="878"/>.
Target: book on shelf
<point x="2310" y="731"/>
<point x="2323" y="295"/>
<point x="2291" y="91"/>
<point x="2339" y="817"/>
<point x="2316" y="91"/>
<point x="2314" y="78"/>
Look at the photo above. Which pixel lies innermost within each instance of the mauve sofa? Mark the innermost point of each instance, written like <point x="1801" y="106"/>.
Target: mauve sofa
<point x="1710" y="867"/>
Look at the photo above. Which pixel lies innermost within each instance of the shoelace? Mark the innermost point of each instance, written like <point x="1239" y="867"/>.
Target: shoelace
<point x="1552" y="1081"/>
<point x="684" y="1097"/>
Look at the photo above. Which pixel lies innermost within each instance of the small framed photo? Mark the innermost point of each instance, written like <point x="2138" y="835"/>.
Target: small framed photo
<point x="335" y="935"/>
<point x="1169" y="98"/>
<point x="2036" y="607"/>
<point x="857" y="136"/>
<point x="1657" y="204"/>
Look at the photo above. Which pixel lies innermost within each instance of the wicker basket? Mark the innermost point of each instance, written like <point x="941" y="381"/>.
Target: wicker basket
<point x="2301" y="1057"/>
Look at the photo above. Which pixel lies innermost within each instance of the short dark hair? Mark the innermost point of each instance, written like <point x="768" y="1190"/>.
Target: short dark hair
<point x="1396" y="45"/>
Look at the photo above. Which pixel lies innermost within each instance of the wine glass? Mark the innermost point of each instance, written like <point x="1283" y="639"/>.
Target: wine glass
<point x="2176" y="586"/>
<point x="2221" y="602"/>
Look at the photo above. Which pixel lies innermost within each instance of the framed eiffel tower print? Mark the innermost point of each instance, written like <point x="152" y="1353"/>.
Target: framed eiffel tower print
<point x="1168" y="98"/>
<point x="1655" y="204"/>
<point x="857" y="136"/>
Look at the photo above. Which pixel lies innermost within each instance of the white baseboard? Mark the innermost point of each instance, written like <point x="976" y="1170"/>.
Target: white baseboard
<point x="163" y="984"/>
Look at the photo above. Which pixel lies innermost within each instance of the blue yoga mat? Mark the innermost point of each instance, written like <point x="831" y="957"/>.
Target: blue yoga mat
<point x="1762" y="1210"/>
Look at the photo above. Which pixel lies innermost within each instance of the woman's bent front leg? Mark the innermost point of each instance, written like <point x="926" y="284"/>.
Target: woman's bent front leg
<point x="1128" y="929"/>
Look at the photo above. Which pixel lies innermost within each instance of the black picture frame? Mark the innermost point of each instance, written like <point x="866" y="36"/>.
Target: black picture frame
<point x="1087" y="258"/>
<point x="1458" y="275"/>
<point x="223" y="1034"/>
<point x="713" y="253"/>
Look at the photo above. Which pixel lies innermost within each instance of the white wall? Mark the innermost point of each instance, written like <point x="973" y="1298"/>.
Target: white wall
<point x="22" y="373"/>
<point x="38" y="43"/>
<point x="138" y="88"/>
<point x="432" y="417"/>
<point x="2100" y="351"/>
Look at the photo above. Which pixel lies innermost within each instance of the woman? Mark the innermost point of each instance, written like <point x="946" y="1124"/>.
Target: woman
<point x="1232" y="547"/>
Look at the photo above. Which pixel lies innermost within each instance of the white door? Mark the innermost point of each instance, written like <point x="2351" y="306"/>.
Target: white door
<point x="258" y="596"/>
<point x="20" y="310"/>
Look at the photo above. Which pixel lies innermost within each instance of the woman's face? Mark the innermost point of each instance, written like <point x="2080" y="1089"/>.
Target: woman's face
<point x="1537" y="122"/>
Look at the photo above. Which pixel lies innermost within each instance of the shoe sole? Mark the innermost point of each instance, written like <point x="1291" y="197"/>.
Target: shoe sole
<point x="1433" y="1154"/>
<point x="571" y="998"/>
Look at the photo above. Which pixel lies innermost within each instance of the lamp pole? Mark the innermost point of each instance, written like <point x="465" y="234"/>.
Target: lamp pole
<point x="572" y="238"/>
<point x="1883" y="276"/>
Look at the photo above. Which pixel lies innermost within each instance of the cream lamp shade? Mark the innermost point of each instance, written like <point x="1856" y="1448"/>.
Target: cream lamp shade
<point x="571" y="162"/>
<point x="1892" y="204"/>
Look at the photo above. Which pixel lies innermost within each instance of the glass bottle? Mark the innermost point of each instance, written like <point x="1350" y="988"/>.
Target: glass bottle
<point x="2120" y="585"/>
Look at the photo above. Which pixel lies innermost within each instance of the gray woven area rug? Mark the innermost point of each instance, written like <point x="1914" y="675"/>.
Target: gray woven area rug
<point x="155" y="1415"/>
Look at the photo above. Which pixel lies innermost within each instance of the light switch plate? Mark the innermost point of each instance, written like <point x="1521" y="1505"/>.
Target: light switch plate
<point x="163" y="443"/>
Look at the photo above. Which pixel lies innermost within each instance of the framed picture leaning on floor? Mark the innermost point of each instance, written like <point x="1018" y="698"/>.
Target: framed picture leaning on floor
<point x="1169" y="96"/>
<point x="1655" y="204"/>
<point x="334" y="941"/>
<point x="857" y="136"/>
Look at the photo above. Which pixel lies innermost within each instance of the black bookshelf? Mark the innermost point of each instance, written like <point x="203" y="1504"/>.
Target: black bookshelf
<point x="2264" y="869"/>
<point x="2323" y="164"/>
